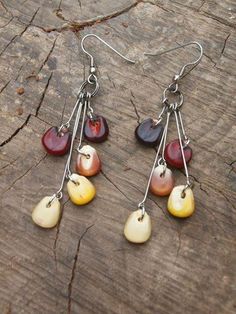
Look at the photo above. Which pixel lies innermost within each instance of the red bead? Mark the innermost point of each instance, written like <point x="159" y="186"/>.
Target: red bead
<point x="96" y="129"/>
<point x="173" y="154"/>
<point x="149" y="133"/>
<point x="56" y="143"/>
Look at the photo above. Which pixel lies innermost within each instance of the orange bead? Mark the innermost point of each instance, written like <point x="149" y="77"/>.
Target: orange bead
<point x="88" y="163"/>
<point x="162" y="181"/>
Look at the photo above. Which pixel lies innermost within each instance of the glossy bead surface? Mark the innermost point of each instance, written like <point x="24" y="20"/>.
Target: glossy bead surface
<point x="148" y="133"/>
<point x="88" y="163"/>
<point x="173" y="154"/>
<point x="45" y="215"/>
<point x="137" y="230"/>
<point x="162" y="181"/>
<point x="180" y="206"/>
<point x="56" y="143"/>
<point x="80" y="189"/>
<point x="96" y="129"/>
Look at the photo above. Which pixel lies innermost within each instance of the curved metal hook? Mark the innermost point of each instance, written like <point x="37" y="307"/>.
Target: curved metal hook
<point x="105" y="43"/>
<point x="194" y="63"/>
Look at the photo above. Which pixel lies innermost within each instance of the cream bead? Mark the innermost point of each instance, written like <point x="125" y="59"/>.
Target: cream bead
<point x="138" y="230"/>
<point x="46" y="214"/>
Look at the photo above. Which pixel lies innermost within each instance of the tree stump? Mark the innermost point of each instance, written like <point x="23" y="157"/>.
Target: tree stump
<point x="85" y="265"/>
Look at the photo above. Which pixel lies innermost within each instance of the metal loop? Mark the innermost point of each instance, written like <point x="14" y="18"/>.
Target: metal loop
<point x="88" y="82"/>
<point x="189" y="185"/>
<point x="142" y="207"/>
<point x="161" y="162"/>
<point x="177" y="103"/>
<point x="83" y="154"/>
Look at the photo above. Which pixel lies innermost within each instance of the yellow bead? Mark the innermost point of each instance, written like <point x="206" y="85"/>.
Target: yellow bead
<point x="46" y="214"/>
<point x="80" y="189"/>
<point x="179" y="205"/>
<point x="138" y="230"/>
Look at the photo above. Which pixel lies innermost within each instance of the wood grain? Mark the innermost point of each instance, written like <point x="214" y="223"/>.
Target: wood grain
<point x="85" y="265"/>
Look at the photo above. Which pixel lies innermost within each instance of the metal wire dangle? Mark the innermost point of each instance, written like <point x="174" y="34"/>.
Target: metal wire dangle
<point x="141" y="205"/>
<point x="67" y="172"/>
<point x="175" y="154"/>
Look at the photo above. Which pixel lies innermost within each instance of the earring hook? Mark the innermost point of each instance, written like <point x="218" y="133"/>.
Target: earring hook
<point x="194" y="63"/>
<point x="105" y="43"/>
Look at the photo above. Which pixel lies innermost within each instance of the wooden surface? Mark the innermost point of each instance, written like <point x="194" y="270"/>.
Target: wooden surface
<point x="85" y="265"/>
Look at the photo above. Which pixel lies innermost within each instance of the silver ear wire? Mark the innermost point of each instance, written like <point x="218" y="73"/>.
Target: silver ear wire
<point x="194" y="63"/>
<point x="92" y="67"/>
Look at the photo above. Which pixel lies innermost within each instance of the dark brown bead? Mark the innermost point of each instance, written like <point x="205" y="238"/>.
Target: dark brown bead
<point x="149" y="133"/>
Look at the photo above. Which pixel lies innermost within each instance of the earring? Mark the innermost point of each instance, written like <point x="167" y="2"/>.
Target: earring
<point x="176" y="154"/>
<point x="59" y="141"/>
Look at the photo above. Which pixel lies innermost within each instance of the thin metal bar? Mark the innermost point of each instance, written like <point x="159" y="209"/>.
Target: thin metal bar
<point x="66" y="169"/>
<point x="182" y="127"/>
<point x="142" y="203"/>
<point x="82" y="124"/>
<point x="181" y="148"/>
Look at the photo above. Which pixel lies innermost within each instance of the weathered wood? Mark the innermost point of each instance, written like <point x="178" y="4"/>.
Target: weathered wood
<point x="85" y="265"/>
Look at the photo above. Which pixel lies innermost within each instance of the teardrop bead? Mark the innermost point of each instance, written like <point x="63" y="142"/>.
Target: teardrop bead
<point x="88" y="163"/>
<point x="138" y="230"/>
<point x="179" y="205"/>
<point x="162" y="181"/>
<point x="173" y="155"/>
<point x="80" y="189"/>
<point x="46" y="214"/>
<point x="96" y="129"/>
<point x="55" y="142"/>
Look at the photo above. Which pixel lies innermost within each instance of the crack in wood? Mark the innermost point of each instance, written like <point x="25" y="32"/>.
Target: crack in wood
<point x="70" y="285"/>
<point x="158" y="5"/>
<point x="108" y="179"/>
<point x="224" y="45"/>
<point x="135" y="110"/>
<point x="16" y="131"/>
<point x="4" y="87"/>
<point x="24" y="174"/>
<point x="201" y="5"/>
<point x="21" y="34"/>
<point x="29" y="116"/>
<point x="48" y="55"/>
<point x="58" y="231"/>
<point x="43" y="95"/>
<point x="77" y="26"/>
<point x="7" y="23"/>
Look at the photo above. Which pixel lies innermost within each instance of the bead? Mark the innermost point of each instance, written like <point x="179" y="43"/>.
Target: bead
<point x="179" y="205"/>
<point x="55" y="142"/>
<point x="80" y="189"/>
<point x="162" y="181"/>
<point x="96" y="129"/>
<point x="45" y="214"/>
<point x="88" y="163"/>
<point x="173" y="155"/>
<point x="148" y="133"/>
<point x="138" y="230"/>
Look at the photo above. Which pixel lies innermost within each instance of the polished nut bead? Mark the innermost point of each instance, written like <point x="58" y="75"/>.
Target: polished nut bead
<point x="88" y="163"/>
<point x="162" y="181"/>
<point x="138" y="230"/>
<point x="80" y="189"/>
<point x="181" y="204"/>
<point x="46" y="213"/>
